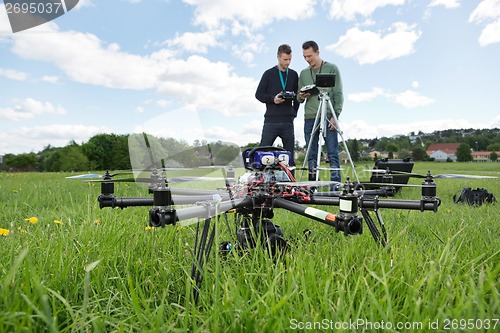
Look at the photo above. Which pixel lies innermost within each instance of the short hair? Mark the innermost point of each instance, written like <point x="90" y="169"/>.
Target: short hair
<point x="310" y="43"/>
<point x="284" y="48"/>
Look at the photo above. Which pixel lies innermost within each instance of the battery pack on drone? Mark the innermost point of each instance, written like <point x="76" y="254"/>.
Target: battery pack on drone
<point x="263" y="159"/>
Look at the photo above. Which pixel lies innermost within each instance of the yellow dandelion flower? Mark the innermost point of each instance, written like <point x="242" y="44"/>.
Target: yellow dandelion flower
<point x="57" y="221"/>
<point x="32" y="220"/>
<point x="4" y="232"/>
<point x="97" y="221"/>
<point x="148" y="228"/>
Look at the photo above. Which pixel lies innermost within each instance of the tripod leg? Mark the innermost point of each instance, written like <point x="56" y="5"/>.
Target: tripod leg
<point x="339" y="131"/>
<point x="313" y="132"/>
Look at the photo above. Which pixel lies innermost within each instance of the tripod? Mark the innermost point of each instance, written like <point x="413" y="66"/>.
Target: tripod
<point x="321" y="124"/>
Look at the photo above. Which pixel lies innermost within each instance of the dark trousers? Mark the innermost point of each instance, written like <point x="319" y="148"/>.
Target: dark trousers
<point x="285" y="131"/>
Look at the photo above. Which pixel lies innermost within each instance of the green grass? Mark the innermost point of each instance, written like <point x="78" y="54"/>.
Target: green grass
<point x="102" y="271"/>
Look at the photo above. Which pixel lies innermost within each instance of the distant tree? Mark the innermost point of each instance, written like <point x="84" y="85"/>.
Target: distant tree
<point x="419" y="154"/>
<point x="297" y="146"/>
<point x="252" y="144"/>
<point x="372" y="143"/>
<point x="73" y="159"/>
<point x="147" y="152"/>
<point x="493" y="156"/>
<point x="226" y="154"/>
<point x="354" y="149"/>
<point x="381" y="144"/>
<point x="493" y="147"/>
<point x="107" y="152"/>
<point x="21" y="162"/>
<point x="463" y="153"/>
<point x="404" y="153"/>
<point x="391" y="148"/>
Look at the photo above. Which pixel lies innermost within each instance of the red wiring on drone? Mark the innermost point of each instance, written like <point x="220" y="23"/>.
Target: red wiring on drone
<point x="290" y="175"/>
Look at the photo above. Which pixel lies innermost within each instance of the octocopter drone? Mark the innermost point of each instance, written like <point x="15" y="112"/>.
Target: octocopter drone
<point x="252" y="198"/>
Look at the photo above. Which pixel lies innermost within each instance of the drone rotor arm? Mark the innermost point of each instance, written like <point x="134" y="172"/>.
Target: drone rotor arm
<point x="310" y="212"/>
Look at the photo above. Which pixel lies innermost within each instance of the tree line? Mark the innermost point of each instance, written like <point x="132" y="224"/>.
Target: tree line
<point x="415" y="145"/>
<point x="114" y="152"/>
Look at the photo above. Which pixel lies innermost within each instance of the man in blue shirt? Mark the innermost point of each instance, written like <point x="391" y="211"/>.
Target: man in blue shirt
<point x="278" y="89"/>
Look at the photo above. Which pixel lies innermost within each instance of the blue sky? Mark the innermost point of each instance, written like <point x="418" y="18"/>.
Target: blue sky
<point x="189" y="69"/>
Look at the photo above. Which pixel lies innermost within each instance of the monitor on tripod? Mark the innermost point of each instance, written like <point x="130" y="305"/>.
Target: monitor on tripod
<point x="325" y="80"/>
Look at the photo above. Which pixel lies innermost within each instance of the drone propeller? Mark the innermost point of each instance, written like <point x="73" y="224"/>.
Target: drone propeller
<point x="213" y="166"/>
<point x="312" y="183"/>
<point x="400" y="185"/>
<point x="181" y="179"/>
<point x="396" y="173"/>
<point x="85" y="176"/>
<point x="96" y="175"/>
<point x="318" y="168"/>
<point x="463" y="176"/>
<point x="162" y="169"/>
<point x="330" y="169"/>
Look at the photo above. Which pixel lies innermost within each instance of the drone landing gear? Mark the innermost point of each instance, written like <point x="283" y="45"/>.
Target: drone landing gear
<point x="270" y="235"/>
<point x="201" y="253"/>
<point x="251" y="232"/>
<point x="379" y="238"/>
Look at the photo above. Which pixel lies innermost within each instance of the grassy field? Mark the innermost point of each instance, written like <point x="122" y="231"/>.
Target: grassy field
<point x="66" y="266"/>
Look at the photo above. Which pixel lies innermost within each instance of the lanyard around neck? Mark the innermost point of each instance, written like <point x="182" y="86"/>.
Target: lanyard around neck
<point x="312" y="76"/>
<point x="283" y="82"/>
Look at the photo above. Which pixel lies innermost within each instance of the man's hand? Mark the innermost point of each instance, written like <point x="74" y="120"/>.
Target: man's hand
<point x="303" y="95"/>
<point x="278" y="99"/>
<point x="332" y="125"/>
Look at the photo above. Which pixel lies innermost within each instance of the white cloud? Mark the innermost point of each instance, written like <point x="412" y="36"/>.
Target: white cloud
<point x="196" y="42"/>
<point x="445" y="3"/>
<point x="163" y="103"/>
<point x="368" y="47"/>
<point x="13" y="74"/>
<point x="412" y="99"/>
<point x="255" y="14"/>
<point x="366" y="96"/>
<point x="487" y="10"/>
<point x="349" y="9"/>
<point x="246" y="51"/>
<point x="29" y="108"/>
<point x="408" y="99"/>
<point x="495" y="123"/>
<point x="84" y="58"/>
<point x="50" y="79"/>
<point x="490" y="34"/>
<point x="38" y="137"/>
<point x="202" y="84"/>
